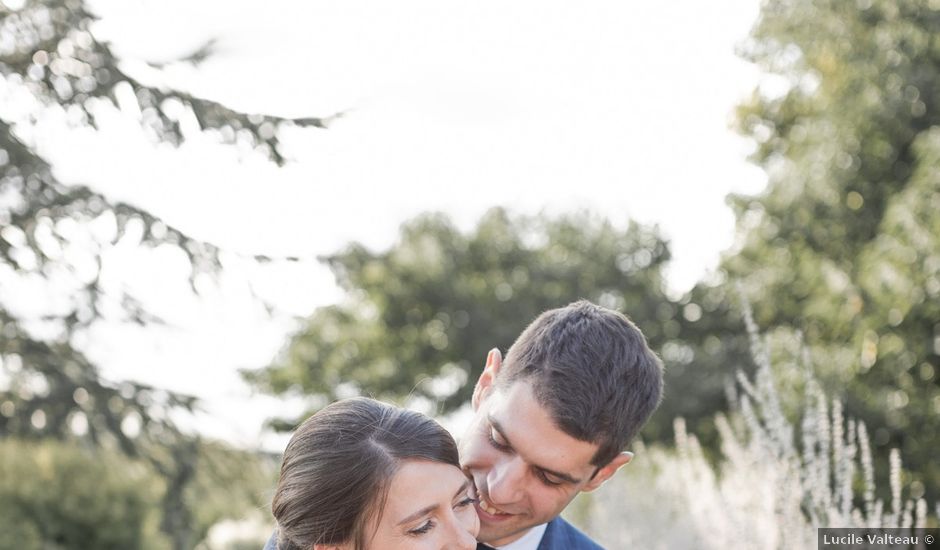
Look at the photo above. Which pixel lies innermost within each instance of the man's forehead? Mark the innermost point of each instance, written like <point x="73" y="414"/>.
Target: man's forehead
<point x="509" y="400"/>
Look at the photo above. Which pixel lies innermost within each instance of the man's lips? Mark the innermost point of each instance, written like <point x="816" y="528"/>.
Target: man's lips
<point x="485" y="509"/>
<point x="491" y="511"/>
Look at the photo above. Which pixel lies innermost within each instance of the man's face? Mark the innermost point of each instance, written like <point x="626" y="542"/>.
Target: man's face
<point x="525" y="469"/>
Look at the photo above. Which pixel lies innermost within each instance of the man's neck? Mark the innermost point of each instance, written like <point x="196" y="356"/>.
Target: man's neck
<point x="525" y="540"/>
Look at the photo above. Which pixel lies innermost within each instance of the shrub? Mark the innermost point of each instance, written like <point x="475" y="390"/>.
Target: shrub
<point x="774" y="484"/>
<point x="56" y="495"/>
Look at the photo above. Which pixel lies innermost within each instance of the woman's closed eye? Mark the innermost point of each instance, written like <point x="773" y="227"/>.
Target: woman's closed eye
<point x="465" y="502"/>
<point x="424" y="528"/>
<point x="428" y="525"/>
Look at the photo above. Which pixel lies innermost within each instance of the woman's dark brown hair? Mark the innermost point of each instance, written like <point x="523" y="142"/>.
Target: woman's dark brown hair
<point x="339" y="464"/>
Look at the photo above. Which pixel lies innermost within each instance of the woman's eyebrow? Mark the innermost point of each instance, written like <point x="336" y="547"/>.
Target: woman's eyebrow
<point x="428" y="509"/>
<point x="463" y="488"/>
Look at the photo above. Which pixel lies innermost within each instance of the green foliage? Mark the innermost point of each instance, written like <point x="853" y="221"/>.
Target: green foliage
<point x="843" y="245"/>
<point x="228" y="484"/>
<point x="201" y="483"/>
<point x="52" y="52"/>
<point x="776" y="480"/>
<point x="420" y="317"/>
<point x="49" y="52"/>
<point x="65" y="496"/>
<point x="56" y="237"/>
<point x="73" y="496"/>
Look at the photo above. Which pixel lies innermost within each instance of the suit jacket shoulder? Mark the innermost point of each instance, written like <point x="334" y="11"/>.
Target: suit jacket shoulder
<point x="561" y="535"/>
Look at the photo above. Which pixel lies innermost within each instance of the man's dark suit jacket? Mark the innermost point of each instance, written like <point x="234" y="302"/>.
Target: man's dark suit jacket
<point x="559" y="535"/>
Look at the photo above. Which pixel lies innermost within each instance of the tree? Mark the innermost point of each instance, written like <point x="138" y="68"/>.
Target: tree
<point x="58" y="495"/>
<point x="47" y="52"/>
<point x="419" y="318"/>
<point x="843" y="243"/>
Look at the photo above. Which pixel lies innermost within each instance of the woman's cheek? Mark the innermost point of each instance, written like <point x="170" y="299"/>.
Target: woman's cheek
<point x="470" y="520"/>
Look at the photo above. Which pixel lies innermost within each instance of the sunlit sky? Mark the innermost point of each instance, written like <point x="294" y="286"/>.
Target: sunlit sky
<point x="622" y="108"/>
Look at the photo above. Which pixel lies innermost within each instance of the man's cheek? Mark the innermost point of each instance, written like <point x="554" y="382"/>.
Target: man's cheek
<point x="477" y="457"/>
<point x="468" y="453"/>
<point x="477" y="453"/>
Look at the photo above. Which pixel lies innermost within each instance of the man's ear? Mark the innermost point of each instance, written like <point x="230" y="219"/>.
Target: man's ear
<point x="606" y="471"/>
<point x="494" y="360"/>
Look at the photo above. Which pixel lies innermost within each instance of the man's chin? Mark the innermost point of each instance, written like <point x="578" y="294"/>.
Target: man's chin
<point x="500" y="529"/>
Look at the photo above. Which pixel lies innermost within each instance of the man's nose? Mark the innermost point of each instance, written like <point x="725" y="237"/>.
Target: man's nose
<point x="505" y="481"/>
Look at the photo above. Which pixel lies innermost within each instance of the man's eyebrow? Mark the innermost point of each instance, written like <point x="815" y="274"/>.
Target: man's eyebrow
<point x="565" y="477"/>
<point x="428" y="509"/>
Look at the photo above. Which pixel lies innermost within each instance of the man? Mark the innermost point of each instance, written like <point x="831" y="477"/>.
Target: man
<point x="553" y="420"/>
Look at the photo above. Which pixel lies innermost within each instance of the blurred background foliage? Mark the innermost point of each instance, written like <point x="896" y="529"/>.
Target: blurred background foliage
<point x="844" y="245"/>
<point x="56" y="236"/>
<point x="68" y="494"/>
<point x="841" y="248"/>
<point x="421" y="316"/>
<point x="57" y="495"/>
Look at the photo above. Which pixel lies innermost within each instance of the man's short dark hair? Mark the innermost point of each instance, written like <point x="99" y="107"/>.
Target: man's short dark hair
<point x="593" y="370"/>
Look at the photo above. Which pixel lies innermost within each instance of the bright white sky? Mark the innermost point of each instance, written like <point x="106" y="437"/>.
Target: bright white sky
<point x="619" y="107"/>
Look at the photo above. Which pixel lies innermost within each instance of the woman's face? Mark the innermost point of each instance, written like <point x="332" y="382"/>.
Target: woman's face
<point x="429" y="507"/>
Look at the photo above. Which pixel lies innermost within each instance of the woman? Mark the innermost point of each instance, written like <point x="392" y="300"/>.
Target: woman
<point x="364" y="475"/>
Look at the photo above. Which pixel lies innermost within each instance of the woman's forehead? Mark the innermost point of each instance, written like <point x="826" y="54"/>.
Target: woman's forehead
<point x="421" y="483"/>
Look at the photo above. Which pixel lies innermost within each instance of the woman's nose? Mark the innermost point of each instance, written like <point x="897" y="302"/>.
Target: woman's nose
<point x="463" y="532"/>
<point x="465" y="539"/>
